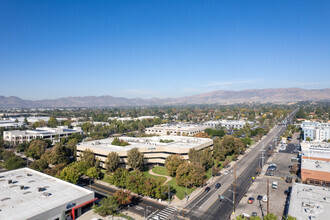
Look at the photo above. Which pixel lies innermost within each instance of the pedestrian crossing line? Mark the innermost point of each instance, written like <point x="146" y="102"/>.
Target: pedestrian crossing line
<point x="164" y="214"/>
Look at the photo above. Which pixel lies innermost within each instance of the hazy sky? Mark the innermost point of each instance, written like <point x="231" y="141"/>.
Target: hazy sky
<point x="161" y="48"/>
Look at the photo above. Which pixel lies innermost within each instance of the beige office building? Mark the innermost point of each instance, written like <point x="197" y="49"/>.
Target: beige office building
<point x="154" y="149"/>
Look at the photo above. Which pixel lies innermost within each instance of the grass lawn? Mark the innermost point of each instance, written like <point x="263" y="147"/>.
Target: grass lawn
<point x="180" y="191"/>
<point x="147" y="174"/>
<point x="160" y="170"/>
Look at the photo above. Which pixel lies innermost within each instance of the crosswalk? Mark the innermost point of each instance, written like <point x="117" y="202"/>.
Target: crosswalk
<point x="163" y="214"/>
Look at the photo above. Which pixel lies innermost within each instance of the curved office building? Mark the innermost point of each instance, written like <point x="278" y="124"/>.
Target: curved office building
<point x="155" y="149"/>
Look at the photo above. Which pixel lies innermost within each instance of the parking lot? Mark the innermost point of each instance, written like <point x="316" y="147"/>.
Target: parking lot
<point x="277" y="197"/>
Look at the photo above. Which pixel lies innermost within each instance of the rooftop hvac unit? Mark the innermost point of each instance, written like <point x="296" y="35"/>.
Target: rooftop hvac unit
<point x="46" y="194"/>
<point x="40" y="189"/>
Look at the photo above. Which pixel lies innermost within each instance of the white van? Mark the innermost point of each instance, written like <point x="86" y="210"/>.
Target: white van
<point x="274" y="185"/>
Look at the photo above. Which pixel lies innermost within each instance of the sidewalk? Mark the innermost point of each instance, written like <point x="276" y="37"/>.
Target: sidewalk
<point x="144" y="197"/>
<point x="90" y="215"/>
<point x="168" y="178"/>
<point x="183" y="203"/>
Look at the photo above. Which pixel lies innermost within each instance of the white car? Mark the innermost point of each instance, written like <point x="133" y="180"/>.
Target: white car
<point x="226" y="172"/>
<point x="264" y="198"/>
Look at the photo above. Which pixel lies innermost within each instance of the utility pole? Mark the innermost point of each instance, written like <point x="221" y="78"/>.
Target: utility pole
<point x="169" y="194"/>
<point x="267" y="196"/>
<point x="212" y="172"/>
<point x="262" y="157"/>
<point x="234" y="197"/>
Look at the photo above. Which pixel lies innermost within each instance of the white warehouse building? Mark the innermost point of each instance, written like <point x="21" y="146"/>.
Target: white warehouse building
<point x="54" y="134"/>
<point x="29" y="194"/>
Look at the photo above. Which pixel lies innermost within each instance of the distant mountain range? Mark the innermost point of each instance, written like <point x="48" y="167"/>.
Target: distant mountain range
<point x="221" y="97"/>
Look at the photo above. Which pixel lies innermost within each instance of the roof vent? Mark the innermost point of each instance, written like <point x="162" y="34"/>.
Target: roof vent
<point x="10" y="181"/>
<point x="40" y="189"/>
<point x="29" y="174"/>
<point x="46" y="194"/>
<point x="22" y="187"/>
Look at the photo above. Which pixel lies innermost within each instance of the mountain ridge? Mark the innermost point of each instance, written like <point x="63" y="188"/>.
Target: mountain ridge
<point x="221" y="97"/>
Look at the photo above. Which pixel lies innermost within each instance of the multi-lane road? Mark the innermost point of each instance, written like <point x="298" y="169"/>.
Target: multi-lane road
<point x="141" y="206"/>
<point x="208" y="205"/>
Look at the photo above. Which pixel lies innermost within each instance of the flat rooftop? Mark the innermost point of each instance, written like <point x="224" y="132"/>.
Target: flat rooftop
<point x="178" y="142"/>
<point x="179" y="126"/>
<point x="309" y="202"/>
<point x="17" y="203"/>
<point x="317" y="165"/>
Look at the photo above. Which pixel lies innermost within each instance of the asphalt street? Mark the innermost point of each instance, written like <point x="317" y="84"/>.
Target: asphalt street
<point x="140" y="205"/>
<point x="208" y="205"/>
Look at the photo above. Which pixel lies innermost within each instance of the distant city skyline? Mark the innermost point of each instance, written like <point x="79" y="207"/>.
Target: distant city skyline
<point x="163" y="49"/>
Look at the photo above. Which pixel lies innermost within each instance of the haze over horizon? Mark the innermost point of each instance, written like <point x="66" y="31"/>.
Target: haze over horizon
<point x="162" y="49"/>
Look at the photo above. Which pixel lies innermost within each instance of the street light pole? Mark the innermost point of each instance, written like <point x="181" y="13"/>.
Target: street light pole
<point x="90" y="184"/>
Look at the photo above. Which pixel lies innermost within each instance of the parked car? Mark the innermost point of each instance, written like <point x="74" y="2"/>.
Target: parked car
<point x="259" y="197"/>
<point x="217" y="185"/>
<point x="270" y="168"/>
<point x="269" y="174"/>
<point x="250" y="200"/>
<point x="274" y="185"/>
<point x="265" y="198"/>
<point x="226" y="172"/>
<point x="254" y="214"/>
<point x="273" y="165"/>
<point x="245" y="215"/>
<point x="207" y="189"/>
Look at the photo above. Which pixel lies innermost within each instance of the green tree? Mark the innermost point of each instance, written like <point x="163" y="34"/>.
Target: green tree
<point x="194" y="156"/>
<point x="192" y="174"/>
<point x="93" y="173"/>
<point x="116" y="141"/>
<point x="271" y="216"/>
<point x="59" y="154"/>
<point x="89" y="157"/>
<point x="14" y="163"/>
<point x="112" y="162"/>
<point x="106" y="207"/>
<point x="36" y="149"/>
<point x="308" y="139"/>
<point x="206" y="159"/>
<point x="69" y="174"/>
<point x="135" y="159"/>
<point x="123" y="197"/>
<point x="39" y="165"/>
<point x="172" y="163"/>
<point x="52" y="122"/>
<point x="72" y="147"/>
<point x="26" y="121"/>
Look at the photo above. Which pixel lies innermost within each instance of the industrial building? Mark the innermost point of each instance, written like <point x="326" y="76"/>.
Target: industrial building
<point x="315" y="163"/>
<point x="179" y="129"/>
<point x="54" y="134"/>
<point x="29" y="194"/>
<point x="309" y="202"/>
<point x="155" y="149"/>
